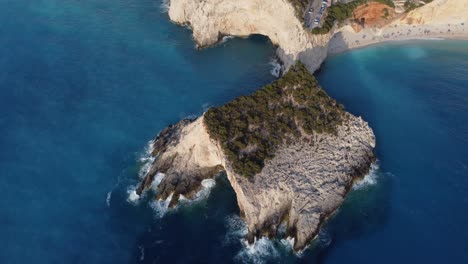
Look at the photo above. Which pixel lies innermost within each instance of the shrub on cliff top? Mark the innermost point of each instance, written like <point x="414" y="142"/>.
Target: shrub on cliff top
<point x="250" y="128"/>
<point x="340" y="12"/>
<point x="299" y="7"/>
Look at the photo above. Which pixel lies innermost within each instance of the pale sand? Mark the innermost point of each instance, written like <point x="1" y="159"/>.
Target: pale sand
<point x="445" y="19"/>
<point x="347" y="39"/>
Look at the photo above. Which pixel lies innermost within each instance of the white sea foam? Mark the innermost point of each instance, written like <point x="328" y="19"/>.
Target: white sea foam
<point x="225" y="39"/>
<point x="208" y="183"/>
<point x="258" y="252"/>
<point x="276" y="70"/>
<point x="206" y="186"/>
<point x="161" y="207"/>
<point x="132" y="197"/>
<point x="368" y="180"/>
<point x="288" y="243"/>
<point x="108" y="198"/>
<point x="156" y="181"/>
<point x="164" y="6"/>
<point x="236" y="229"/>
<point x="146" y="159"/>
<point x="109" y="193"/>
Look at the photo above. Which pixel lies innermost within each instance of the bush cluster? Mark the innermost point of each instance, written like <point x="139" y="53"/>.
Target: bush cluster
<point x="250" y="128"/>
<point x="339" y="12"/>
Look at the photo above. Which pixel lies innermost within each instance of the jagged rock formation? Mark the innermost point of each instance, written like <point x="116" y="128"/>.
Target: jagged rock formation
<point x="306" y="179"/>
<point x="187" y="155"/>
<point x="280" y="22"/>
<point x="276" y="19"/>
<point x="303" y="182"/>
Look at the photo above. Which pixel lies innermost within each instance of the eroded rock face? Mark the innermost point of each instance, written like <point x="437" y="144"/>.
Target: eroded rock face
<point x="185" y="153"/>
<point x="276" y="19"/>
<point x="303" y="184"/>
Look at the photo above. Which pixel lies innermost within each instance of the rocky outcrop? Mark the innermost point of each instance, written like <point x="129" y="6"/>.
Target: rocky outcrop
<point x="305" y="183"/>
<point x="305" y="180"/>
<point x="301" y="186"/>
<point x="187" y="156"/>
<point x="290" y="152"/>
<point x="276" y="19"/>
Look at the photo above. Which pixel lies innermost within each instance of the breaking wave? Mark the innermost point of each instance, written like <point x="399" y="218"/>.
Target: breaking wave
<point x="368" y="180"/>
<point x="108" y="198"/>
<point x="132" y="196"/>
<point x="262" y="250"/>
<point x="288" y="243"/>
<point x="146" y="159"/>
<point x="225" y="39"/>
<point x="207" y="185"/>
<point x="161" y="207"/>
<point x="236" y="229"/>
<point x="258" y="252"/>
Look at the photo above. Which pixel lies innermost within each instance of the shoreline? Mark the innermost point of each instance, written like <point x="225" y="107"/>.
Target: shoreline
<point x="346" y="39"/>
<point x="395" y="41"/>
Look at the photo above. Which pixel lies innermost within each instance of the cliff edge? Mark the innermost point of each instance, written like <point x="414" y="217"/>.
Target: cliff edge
<point x="291" y="154"/>
<point x="276" y="19"/>
<point x="283" y="24"/>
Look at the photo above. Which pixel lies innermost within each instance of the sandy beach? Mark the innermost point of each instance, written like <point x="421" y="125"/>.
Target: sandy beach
<point x="347" y="39"/>
<point x="441" y="19"/>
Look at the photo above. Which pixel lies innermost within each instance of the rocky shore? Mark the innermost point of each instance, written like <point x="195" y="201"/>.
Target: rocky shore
<point x="210" y="20"/>
<point x="297" y="166"/>
<point x="303" y="182"/>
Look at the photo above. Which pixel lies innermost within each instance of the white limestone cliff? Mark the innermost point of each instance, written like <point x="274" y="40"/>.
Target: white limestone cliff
<point x="276" y="19"/>
<point x="301" y="186"/>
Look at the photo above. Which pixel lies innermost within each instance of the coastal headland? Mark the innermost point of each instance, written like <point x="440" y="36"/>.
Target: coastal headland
<point x="290" y="152"/>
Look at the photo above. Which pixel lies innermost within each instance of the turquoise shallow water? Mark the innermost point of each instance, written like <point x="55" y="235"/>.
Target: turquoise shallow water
<point x="85" y="84"/>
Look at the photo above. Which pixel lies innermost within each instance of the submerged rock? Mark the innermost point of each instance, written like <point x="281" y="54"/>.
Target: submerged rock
<point x="304" y="171"/>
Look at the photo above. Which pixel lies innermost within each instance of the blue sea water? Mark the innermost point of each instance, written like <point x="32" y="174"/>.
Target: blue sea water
<point x="84" y="85"/>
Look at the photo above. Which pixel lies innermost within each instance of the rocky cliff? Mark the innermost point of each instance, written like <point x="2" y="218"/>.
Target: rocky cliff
<point x="309" y="165"/>
<point x="276" y="19"/>
<point x="281" y="23"/>
<point x="297" y="166"/>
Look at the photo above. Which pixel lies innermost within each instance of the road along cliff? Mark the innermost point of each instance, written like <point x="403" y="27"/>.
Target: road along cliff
<point x="290" y="152"/>
<point x="281" y="21"/>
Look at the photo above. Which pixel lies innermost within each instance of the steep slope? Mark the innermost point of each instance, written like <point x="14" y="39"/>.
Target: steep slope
<point x="276" y="19"/>
<point x="305" y="174"/>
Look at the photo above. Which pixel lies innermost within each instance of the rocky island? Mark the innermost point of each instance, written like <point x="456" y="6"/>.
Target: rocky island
<point x="290" y="152"/>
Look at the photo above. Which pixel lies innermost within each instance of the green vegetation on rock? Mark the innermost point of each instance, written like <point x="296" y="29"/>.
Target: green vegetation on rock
<point x="299" y="6"/>
<point x="409" y="5"/>
<point x="250" y="128"/>
<point x="340" y="12"/>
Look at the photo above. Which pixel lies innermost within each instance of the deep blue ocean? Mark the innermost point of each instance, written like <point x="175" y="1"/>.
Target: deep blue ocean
<point x="84" y="85"/>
